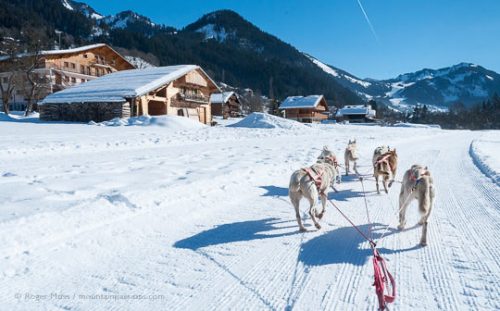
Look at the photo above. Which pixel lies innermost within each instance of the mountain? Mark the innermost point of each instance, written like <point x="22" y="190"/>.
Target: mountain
<point x="231" y="49"/>
<point x="234" y="51"/>
<point x="462" y="83"/>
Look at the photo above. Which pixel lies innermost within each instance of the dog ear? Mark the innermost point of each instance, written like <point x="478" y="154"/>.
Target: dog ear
<point x="349" y="141"/>
<point x="325" y="148"/>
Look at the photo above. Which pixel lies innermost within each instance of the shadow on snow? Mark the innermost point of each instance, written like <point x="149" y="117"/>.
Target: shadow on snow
<point x="343" y="245"/>
<point x="235" y="232"/>
<point x="273" y="191"/>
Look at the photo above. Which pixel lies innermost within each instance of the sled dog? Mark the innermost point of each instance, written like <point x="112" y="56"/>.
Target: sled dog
<point x="417" y="184"/>
<point x="385" y="164"/>
<point x="311" y="182"/>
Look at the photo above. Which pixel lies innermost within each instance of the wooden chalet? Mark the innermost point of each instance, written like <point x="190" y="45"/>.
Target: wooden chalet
<point x="70" y="67"/>
<point x="182" y="90"/>
<point x="225" y="104"/>
<point x="306" y="109"/>
<point x="356" y="114"/>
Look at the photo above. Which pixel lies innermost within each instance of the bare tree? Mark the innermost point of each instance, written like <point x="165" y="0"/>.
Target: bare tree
<point x="10" y="65"/>
<point x="36" y="85"/>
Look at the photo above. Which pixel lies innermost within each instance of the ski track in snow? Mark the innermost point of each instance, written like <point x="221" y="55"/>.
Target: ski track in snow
<point x="202" y="217"/>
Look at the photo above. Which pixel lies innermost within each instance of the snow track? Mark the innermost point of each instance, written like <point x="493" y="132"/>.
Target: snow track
<point x="200" y="220"/>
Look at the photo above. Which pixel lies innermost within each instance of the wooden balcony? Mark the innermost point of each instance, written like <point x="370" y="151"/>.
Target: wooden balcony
<point x="193" y="98"/>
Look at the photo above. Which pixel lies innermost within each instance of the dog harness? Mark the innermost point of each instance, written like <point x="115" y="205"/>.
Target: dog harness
<point x="317" y="177"/>
<point x="384" y="159"/>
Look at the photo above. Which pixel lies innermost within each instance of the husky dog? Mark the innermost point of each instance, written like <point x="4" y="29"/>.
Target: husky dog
<point x="311" y="182"/>
<point x="417" y="184"/>
<point x="385" y="163"/>
<point x="351" y="154"/>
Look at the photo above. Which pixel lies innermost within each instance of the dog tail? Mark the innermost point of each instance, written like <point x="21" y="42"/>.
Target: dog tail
<point x="294" y="182"/>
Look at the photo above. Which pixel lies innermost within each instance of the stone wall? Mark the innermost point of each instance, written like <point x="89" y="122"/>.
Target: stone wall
<point x="84" y="112"/>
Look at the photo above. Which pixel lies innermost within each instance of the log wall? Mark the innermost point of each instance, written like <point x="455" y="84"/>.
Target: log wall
<point x="84" y="112"/>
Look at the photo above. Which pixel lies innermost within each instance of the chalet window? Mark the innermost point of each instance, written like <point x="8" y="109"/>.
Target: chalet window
<point x="73" y="66"/>
<point x="19" y="92"/>
<point x="66" y="79"/>
<point x="73" y="80"/>
<point x="66" y="64"/>
<point x="5" y="80"/>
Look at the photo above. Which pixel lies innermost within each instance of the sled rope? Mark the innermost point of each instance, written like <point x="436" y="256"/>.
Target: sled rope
<point x="382" y="277"/>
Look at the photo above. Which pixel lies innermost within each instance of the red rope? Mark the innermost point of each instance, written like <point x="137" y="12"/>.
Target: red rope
<point x="382" y="276"/>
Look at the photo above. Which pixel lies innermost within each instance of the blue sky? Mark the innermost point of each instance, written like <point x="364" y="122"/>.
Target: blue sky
<point x="412" y="34"/>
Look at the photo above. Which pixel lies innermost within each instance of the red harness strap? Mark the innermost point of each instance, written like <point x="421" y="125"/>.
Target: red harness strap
<point x="382" y="278"/>
<point x="384" y="159"/>
<point x="316" y="177"/>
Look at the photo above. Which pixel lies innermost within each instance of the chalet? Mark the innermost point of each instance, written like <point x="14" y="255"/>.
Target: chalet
<point x="66" y="68"/>
<point x="182" y="90"/>
<point x="307" y="109"/>
<point x="356" y="113"/>
<point x="225" y="104"/>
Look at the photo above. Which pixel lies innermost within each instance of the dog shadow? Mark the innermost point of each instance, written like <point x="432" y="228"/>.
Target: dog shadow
<point x="344" y="246"/>
<point x="350" y="178"/>
<point x="236" y="232"/>
<point x="346" y="194"/>
<point x="273" y="191"/>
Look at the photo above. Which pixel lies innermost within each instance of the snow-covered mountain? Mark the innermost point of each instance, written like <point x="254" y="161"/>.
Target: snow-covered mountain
<point x="437" y="88"/>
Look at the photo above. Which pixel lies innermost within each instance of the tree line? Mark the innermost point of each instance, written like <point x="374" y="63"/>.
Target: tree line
<point x="483" y="115"/>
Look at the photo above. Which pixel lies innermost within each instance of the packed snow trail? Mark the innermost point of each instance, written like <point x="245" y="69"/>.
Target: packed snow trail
<point x="201" y="220"/>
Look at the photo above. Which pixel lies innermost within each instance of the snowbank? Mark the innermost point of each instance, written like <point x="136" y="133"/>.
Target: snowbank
<point x="170" y="122"/>
<point x="413" y="125"/>
<point x="266" y="121"/>
<point x="18" y="116"/>
<point x="485" y="155"/>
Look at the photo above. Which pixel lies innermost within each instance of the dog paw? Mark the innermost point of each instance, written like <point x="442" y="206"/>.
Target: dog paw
<point x="318" y="226"/>
<point x="423" y="243"/>
<point x="302" y="229"/>
<point x="320" y="215"/>
<point x="401" y="227"/>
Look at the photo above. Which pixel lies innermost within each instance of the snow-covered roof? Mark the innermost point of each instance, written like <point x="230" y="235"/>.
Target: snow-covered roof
<point x="69" y="51"/>
<point x="118" y="86"/>
<point x="74" y="50"/>
<point x="294" y="102"/>
<point x="220" y="98"/>
<point x="356" y="110"/>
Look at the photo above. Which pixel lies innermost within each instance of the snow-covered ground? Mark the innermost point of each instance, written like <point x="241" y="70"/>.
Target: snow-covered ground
<point x="165" y="218"/>
<point x="486" y="153"/>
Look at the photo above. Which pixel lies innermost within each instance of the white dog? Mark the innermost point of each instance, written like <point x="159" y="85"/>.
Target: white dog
<point x="312" y="182"/>
<point x="417" y="184"/>
<point x="351" y="154"/>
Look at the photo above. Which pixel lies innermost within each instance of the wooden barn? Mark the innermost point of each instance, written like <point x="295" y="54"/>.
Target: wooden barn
<point x="306" y="109"/>
<point x="225" y="104"/>
<point x="66" y="68"/>
<point x="182" y="90"/>
<point x="356" y="114"/>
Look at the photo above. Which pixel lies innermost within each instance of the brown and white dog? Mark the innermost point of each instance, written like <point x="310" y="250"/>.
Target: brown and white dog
<point x="417" y="184"/>
<point x="351" y="154"/>
<point x="311" y="182"/>
<point x="385" y="164"/>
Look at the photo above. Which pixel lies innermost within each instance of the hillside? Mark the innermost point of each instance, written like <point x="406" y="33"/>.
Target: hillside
<point x="229" y="48"/>
<point x="463" y="83"/>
